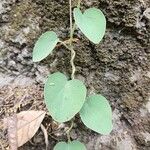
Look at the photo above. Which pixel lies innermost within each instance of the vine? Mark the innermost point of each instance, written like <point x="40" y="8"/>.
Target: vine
<point x="65" y="98"/>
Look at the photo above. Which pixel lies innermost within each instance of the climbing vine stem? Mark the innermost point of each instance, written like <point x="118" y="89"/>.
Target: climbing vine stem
<point x="79" y="2"/>
<point x="71" y="26"/>
<point x="73" y="54"/>
<point x="72" y="29"/>
<point x="68" y="131"/>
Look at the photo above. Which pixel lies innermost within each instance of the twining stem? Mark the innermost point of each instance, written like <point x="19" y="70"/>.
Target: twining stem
<point x="71" y="44"/>
<point x="63" y="43"/>
<point x="71" y="32"/>
<point x="68" y="131"/>
<point x="73" y="54"/>
<point x="79" y="2"/>
<point x="72" y="29"/>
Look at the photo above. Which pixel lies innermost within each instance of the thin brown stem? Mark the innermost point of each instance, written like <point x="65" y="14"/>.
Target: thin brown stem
<point x="72" y="28"/>
<point x="79" y="2"/>
<point x="68" y="131"/>
<point x="70" y="7"/>
<point x="73" y="54"/>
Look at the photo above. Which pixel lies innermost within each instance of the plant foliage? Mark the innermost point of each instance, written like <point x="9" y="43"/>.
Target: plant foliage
<point x="92" y="23"/>
<point x="64" y="98"/>
<point x="96" y="114"/>
<point x="74" y="145"/>
<point x="44" y="46"/>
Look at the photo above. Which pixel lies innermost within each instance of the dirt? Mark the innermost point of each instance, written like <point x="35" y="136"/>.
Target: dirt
<point x="118" y="68"/>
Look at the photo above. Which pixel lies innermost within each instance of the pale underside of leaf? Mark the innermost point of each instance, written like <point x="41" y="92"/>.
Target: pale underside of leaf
<point x="63" y="98"/>
<point x="96" y="114"/>
<point x="92" y="23"/>
<point x="44" y="46"/>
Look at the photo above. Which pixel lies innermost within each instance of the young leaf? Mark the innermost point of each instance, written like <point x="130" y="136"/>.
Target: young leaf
<point x="74" y="145"/>
<point x="44" y="46"/>
<point x="96" y="114"/>
<point x="63" y="98"/>
<point x="92" y="23"/>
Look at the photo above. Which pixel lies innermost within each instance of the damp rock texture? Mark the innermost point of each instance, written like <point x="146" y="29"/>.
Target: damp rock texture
<point x="118" y="68"/>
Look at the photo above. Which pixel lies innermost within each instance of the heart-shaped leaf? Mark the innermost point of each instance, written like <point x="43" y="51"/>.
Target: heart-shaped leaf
<point x="96" y="114"/>
<point x="64" y="98"/>
<point x="92" y="23"/>
<point x="74" y="145"/>
<point x="44" y="46"/>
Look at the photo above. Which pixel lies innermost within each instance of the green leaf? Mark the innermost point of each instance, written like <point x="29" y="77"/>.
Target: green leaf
<point x="44" y="46"/>
<point x="92" y="23"/>
<point x="96" y="114"/>
<point x="64" y="98"/>
<point x="74" y="145"/>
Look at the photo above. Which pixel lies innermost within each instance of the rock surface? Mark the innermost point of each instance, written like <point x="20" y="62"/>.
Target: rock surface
<point x="118" y="68"/>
